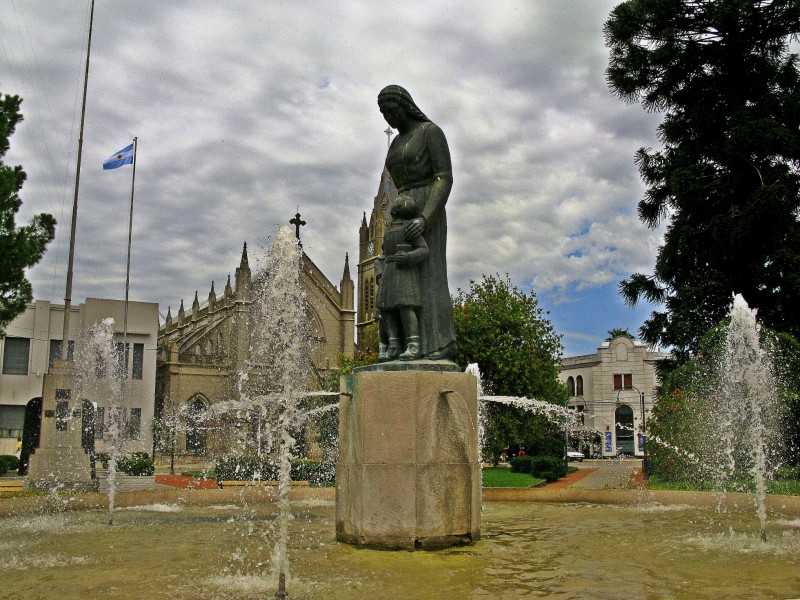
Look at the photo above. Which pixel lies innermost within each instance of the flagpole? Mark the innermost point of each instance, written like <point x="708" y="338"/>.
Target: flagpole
<point x="128" y="264"/>
<point x="73" y="225"/>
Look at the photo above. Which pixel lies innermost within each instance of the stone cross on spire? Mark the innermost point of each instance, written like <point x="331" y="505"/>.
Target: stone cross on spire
<point x="389" y="134"/>
<point x="297" y="222"/>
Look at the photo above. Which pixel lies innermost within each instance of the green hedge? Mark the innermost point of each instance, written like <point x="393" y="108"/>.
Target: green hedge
<point x="8" y="462"/>
<point x="521" y="464"/>
<point x="138" y="463"/>
<point x="785" y="473"/>
<point x="550" y="468"/>
<point x="250" y="467"/>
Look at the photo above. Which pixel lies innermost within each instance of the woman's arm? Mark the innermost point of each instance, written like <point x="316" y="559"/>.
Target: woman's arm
<point x="442" y="172"/>
<point x="439" y="154"/>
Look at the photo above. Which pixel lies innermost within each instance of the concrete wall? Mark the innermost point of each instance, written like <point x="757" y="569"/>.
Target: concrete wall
<point x="43" y="321"/>
<point x="600" y="400"/>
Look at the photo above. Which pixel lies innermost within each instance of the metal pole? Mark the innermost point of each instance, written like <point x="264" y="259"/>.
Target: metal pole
<point x="645" y="474"/>
<point x="71" y="259"/>
<point x="128" y="263"/>
<point x="125" y="353"/>
<point x="128" y="268"/>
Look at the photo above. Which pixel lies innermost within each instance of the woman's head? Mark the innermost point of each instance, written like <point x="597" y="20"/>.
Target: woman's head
<point x="404" y="208"/>
<point x="394" y="97"/>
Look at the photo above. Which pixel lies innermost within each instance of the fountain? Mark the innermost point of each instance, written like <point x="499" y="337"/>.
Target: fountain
<point x="730" y="434"/>
<point x="748" y="415"/>
<point x="408" y="476"/>
<point x="578" y="543"/>
<point x="276" y="376"/>
<point x="99" y="375"/>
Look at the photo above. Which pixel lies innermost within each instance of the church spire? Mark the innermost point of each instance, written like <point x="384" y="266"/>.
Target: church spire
<point x="244" y="264"/>
<point x="212" y="295"/>
<point x="228" y="288"/>
<point x="346" y="272"/>
<point x="346" y="286"/>
<point x="243" y="277"/>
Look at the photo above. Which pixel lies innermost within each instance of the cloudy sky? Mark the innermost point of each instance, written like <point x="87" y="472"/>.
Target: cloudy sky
<point x="247" y="111"/>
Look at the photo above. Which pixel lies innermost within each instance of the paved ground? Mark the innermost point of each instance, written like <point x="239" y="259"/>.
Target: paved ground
<point x="608" y="474"/>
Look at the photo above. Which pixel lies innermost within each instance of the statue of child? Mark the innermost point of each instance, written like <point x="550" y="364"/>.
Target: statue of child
<point x="399" y="288"/>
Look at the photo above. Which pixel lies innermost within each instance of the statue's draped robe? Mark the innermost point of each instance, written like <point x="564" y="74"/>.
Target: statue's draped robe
<point x="414" y="164"/>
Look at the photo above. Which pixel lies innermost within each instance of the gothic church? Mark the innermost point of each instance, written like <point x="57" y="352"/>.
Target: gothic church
<point x="202" y="351"/>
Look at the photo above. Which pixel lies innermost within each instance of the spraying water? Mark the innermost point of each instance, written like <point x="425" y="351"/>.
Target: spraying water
<point x="101" y="375"/>
<point x="746" y="419"/>
<point x="728" y="428"/>
<point x="278" y="370"/>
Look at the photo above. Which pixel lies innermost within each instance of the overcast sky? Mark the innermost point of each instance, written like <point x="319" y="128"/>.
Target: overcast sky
<point x="247" y="111"/>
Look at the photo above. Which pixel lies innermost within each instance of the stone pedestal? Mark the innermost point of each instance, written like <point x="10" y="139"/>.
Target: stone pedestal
<point x="408" y="474"/>
<point x="61" y="459"/>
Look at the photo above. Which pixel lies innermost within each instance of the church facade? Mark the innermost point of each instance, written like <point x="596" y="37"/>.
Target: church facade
<point x="370" y="243"/>
<point x="202" y="352"/>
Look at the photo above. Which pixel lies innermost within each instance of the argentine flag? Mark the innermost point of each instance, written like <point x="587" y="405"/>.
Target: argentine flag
<point x="122" y="157"/>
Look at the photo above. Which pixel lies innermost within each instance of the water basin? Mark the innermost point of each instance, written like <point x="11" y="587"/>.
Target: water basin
<point x="174" y="549"/>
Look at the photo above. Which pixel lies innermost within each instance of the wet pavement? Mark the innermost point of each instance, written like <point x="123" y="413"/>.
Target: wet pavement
<point x="608" y="474"/>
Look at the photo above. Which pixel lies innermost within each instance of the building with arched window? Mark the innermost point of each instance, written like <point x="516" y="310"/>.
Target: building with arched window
<point x="612" y="390"/>
<point x="203" y="351"/>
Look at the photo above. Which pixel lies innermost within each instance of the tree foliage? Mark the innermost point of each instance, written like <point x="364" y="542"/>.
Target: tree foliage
<point x="618" y="331"/>
<point x="20" y="247"/>
<point x="726" y="179"/>
<point x="507" y="334"/>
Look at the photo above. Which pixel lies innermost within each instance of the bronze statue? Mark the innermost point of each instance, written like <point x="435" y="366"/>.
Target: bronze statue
<point x="419" y="163"/>
<point x="400" y="292"/>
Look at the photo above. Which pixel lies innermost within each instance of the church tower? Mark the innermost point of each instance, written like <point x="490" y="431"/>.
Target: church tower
<point x="370" y="239"/>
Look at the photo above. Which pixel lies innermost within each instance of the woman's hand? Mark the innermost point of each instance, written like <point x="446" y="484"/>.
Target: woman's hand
<point x="414" y="229"/>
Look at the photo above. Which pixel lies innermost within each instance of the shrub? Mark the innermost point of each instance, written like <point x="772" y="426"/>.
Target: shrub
<point x="315" y="472"/>
<point x="138" y="463"/>
<point x="8" y="462"/>
<point x="787" y="473"/>
<point x="548" y="467"/>
<point x="244" y="467"/>
<point x="102" y="458"/>
<point x="521" y="464"/>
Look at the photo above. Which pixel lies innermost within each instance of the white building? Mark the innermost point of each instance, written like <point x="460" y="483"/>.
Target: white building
<point x="33" y="340"/>
<point x="613" y="389"/>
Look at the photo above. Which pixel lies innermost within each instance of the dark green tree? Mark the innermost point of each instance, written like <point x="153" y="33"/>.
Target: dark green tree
<point x="726" y="179"/>
<point x="20" y="247"/>
<point x="508" y="335"/>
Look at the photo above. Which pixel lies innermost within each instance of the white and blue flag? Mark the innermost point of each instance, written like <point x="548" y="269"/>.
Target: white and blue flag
<point x="116" y="160"/>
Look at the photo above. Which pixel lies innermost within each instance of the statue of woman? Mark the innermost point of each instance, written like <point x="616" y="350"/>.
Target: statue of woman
<point x="419" y="163"/>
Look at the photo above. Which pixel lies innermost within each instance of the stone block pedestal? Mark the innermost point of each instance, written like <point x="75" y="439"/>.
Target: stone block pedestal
<point x="61" y="460"/>
<point x="408" y="474"/>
